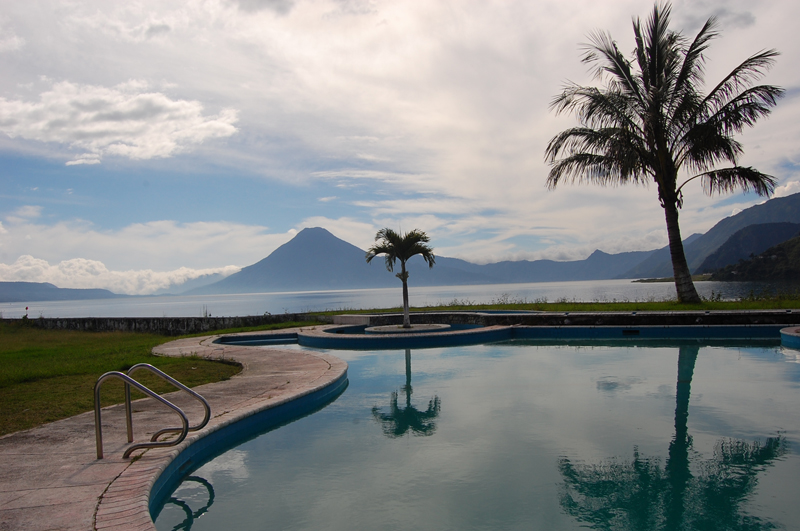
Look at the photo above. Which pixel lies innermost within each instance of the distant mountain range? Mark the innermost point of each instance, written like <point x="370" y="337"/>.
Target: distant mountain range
<point x="43" y="291"/>
<point x="315" y="259"/>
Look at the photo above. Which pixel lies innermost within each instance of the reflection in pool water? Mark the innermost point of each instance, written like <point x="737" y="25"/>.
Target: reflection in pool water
<point x="400" y="420"/>
<point x="532" y="436"/>
<point x="688" y="492"/>
<point x="191" y="515"/>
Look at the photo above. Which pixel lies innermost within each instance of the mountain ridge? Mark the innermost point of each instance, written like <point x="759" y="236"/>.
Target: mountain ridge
<point x="778" y="263"/>
<point x="777" y="210"/>
<point x="44" y="291"/>
<point x="315" y="259"/>
<point x="749" y="241"/>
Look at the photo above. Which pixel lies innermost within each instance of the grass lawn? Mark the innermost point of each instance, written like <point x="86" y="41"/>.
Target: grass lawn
<point x="46" y="375"/>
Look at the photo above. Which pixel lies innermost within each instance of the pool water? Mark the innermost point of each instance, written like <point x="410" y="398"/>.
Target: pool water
<point x="521" y="435"/>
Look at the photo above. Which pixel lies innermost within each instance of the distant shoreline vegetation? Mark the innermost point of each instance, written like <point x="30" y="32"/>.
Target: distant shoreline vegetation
<point x="785" y="299"/>
<point x="695" y="278"/>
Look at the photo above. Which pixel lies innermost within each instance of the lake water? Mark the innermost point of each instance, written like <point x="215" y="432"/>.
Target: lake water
<point x="521" y="435"/>
<point x="293" y="302"/>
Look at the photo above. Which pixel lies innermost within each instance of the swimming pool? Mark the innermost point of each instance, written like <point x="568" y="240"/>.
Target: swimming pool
<point x="524" y="435"/>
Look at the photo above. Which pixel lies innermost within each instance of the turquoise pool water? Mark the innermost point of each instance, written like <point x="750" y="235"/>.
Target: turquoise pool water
<point x="523" y="435"/>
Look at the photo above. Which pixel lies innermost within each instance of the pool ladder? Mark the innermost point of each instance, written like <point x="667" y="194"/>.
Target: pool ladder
<point x="129" y="381"/>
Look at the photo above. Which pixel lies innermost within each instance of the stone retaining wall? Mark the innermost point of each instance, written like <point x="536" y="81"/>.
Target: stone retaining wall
<point x="683" y="318"/>
<point x="174" y="326"/>
<point x="168" y="326"/>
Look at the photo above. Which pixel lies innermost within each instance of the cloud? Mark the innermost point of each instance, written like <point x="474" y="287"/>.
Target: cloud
<point x="281" y="7"/>
<point x="83" y="273"/>
<point x="121" y="121"/>
<point x="24" y="213"/>
<point x="157" y="245"/>
<point x="10" y="42"/>
<point x="359" y="174"/>
<point x="792" y="187"/>
<point x="155" y="30"/>
<point x="28" y="211"/>
<point x="86" y="158"/>
<point x="414" y="114"/>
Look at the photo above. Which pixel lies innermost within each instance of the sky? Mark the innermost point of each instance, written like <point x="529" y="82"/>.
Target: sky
<point x="145" y="143"/>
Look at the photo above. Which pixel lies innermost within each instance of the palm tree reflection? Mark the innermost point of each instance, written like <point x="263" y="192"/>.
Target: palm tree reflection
<point x="399" y="420"/>
<point x="689" y="492"/>
<point x="191" y="515"/>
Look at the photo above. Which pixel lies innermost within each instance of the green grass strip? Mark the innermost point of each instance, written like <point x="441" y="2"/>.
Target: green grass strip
<point x="47" y="375"/>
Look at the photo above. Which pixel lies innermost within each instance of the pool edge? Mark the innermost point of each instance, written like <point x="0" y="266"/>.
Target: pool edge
<point x="126" y="502"/>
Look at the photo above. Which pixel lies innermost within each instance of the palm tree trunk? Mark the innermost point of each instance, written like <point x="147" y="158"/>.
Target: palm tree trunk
<point x="406" y="313"/>
<point x="680" y="268"/>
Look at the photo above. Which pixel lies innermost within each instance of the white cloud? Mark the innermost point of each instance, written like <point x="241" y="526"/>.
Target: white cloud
<point x="83" y="273"/>
<point x="233" y="463"/>
<point x="10" y="43"/>
<point x="24" y="213"/>
<point x="358" y="174"/>
<point x="120" y="121"/>
<point x="86" y="158"/>
<point x="792" y="187"/>
<point x="158" y="245"/>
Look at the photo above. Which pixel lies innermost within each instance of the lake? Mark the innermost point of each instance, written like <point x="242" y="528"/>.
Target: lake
<point x="309" y="301"/>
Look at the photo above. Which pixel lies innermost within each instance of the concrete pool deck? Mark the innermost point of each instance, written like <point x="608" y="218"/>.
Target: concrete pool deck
<point x="51" y="478"/>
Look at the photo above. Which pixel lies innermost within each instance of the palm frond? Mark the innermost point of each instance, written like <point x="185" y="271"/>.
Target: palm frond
<point x="395" y="246"/>
<point x="746" y="179"/>
<point x="693" y="68"/>
<point x="685" y="99"/>
<point x="740" y="78"/>
<point x="600" y="109"/>
<point x="745" y="109"/>
<point x="602" y="46"/>
<point x="597" y="169"/>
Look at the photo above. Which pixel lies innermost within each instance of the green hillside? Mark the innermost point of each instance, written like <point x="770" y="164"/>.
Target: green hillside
<point x="749" y="241"/>
<point x="778" y="263"/>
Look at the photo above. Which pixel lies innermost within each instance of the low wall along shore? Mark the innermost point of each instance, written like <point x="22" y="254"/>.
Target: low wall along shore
<point x="175" y="326"/>
<point x="168" y="326"/>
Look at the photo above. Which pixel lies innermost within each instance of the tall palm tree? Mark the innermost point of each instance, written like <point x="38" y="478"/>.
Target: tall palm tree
<point x="402" y="247"/>
<point x="650" y="121"/>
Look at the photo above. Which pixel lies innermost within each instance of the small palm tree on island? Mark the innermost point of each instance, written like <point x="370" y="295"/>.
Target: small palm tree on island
<point x="401" y="247"/>
<point x="651" y="120"/>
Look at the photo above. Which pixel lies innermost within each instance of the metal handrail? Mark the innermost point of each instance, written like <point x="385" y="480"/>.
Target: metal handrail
<point x="174" y="382"/>
<point x="98" y="428"/>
